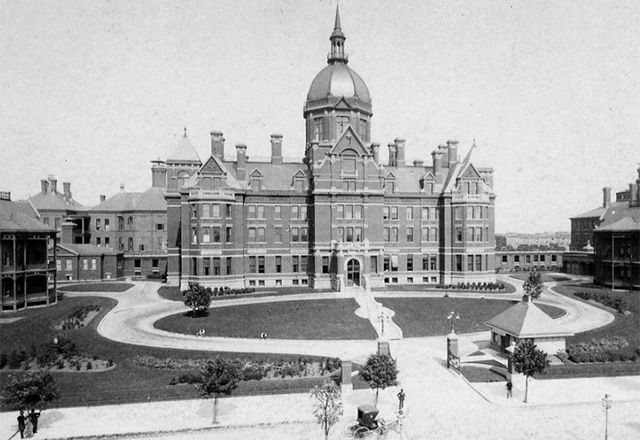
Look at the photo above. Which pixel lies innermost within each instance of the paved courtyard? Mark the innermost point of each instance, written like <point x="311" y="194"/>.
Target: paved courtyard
<point x="440" y="404"/>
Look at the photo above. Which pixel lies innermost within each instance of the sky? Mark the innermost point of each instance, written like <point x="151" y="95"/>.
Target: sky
<point x="92" y="91"/>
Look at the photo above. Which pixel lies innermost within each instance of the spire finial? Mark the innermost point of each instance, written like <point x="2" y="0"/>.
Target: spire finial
<point x="185" y="131"/>
<point x="337" y="42"/>
<point x="336" y="26"/>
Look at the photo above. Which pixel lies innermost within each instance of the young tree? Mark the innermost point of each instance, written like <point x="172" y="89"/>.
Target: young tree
<point x="533" y="286"/>
<point x="198" y="298"/>
<point x="220" y="376"/>
<point x="33" y="390"/>
<point x="529" y="360"/>
<point x="380" y="371"/>
<point x="327" y="407"/>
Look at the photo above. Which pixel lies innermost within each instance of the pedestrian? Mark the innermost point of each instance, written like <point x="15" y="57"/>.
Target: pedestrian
<point x="263" y="336"/>
<point x="401" y="396"/>
<point x="34" y="416"/>
<point x="509" y="389"/>
<point x="28" y="428"/>
<point x="21" y="424"/>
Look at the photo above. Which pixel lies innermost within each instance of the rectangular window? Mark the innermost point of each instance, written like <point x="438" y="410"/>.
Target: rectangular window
<point x="278" y="264"/>
<point x="261" y="264"/>
<point x="386" y="263"/>
<point x="478" y="262"/>
<point x="260" y="211"/>
<point x="340" y="213"/>
<point x="228" y="235"/>
<point x="206" y="235"/>
<point x="425" y="234"/>
<point x="340" y="234"/>
<point x="409" y="234"/>
<point x="130" y="243"/>
<point x="458" y="235"/>
<point x="295" y="262"/>
<point x="410" y="263"/>
<point x="106" y="241"/>
<point x="45" y="220"/>
<point x="458" y="213"/>
<point x="349" y="230"/>
<point x="387" y="234"/>
<point x="252" y="264"/>
<point x="470" y="212"/>
<point x="228" y="210"/>
<point x="278" y="230"/>
<point x="357" y="234"/>
<point x="505" y="259"/>
<point x="69" y="264"/>
<point x="433" y="259"/>
<point x="479" y="234"/>
<point x="260" y="237"/>
<point x="374" y="264"/>
<point x="425" y="263"/>
<point x="141" y="247"/>
<point x="98" y="241"/>
<point x="294" y="212"/>
<point x="303" y="212"/>
<point x="409" y="213"/>
<point x="348" y="211"/>
<point x="206" y="266"/>
<point x="294" y="234"/>
<point x="470" y="263"/>
<point x="206" y="210"/>
<point x="97" y="223"/>
<point x="252" y="211"/>
<point x="434" y="235"/>
<point x="528" y="257"/>
<point x="304" y="234"/>
<point x="394" y="213"/>
<point x="303" y="264"/>
<point x="394" y="234"/>
<point x="278" y="211"/>
<point x="85" y="264"/>
<point x="425" y="213"/>
<point x="59" y="265"/>
<point x="106" y="224"/>
<point x="251" y="238"/>
<point x="385" y="213"/>
<point x="216" y="234"/>
<point x="348" y="165"/>
<point x="458" y="263"/>
<point x="228" y="265"/>
<point x="357" y="211"/>
<point x="325" y="264"/>
<point x="470" y="234"/>
<point x="160" y="227"/>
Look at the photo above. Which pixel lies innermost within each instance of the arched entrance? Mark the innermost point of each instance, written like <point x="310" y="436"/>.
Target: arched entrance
<point x="353" y="272"/>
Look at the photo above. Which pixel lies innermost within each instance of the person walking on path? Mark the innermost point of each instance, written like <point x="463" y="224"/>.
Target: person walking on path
<point x="34" y="416"/>
<point x="21" y="425"/>
<point x="509" y="389"/>
<point x="401" y="396"/>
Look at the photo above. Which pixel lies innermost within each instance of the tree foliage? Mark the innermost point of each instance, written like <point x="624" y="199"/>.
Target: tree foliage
<point x="33" y="390"/>
<point x="533" y="286"/>
<point x="220" y="376"/>
<point x="327" y="406"/>
<point x="198" y="298"/>
<point x="380" y="372"/>
<point x="529" y="360"/>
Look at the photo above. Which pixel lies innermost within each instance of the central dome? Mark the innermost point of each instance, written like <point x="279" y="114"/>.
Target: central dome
<point x="338" y="80"/>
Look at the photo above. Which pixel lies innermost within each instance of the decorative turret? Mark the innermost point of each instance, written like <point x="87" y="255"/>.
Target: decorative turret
<point x="337" y="43"/>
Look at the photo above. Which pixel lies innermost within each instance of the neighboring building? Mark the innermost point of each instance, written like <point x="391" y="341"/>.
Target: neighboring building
<point x="508" y="261"/>
<point x="583" y="225"/>
<point x="617" y="241"/>
<point x="523" y="321"/>
<point x="54" y="206"/>
<point x="85" y="262"/>
<point x="553" y="240"/>
<point x="337" y="218"/>
<point x="28" y="276"/>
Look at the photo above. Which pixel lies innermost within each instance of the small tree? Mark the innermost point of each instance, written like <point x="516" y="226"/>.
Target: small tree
<point x="220" y="376"/>
<point x="380" y="371"/>
<point x="533" y="286"/>
<point x="198" y="298"/>
<point x="529" y="360"/>
<point x="327" y="407"/>
<point x="29" y="391"/>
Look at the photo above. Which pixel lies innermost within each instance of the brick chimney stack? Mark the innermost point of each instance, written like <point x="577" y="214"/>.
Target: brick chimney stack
<point x="393" y="156"/>
<point x="44" y="186"/>
<point x="375" y="150"/>
<point x="241" y="164"/>
<point x="606" y="197"/>
<point x="158" y="174"/>
<point x="400" y="144"/>
<point x="217" y="144"/>
<point x="276" y="149"/>
<point x="122" y="187"/>
<point x="54" y="185"/>
<point x="67" y="230"/>
<point x="453" y="152"/>
<point x="67" y="190"/>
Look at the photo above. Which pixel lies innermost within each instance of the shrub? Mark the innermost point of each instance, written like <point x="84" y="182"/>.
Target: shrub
<point x="4" y="359"/>
<point x="110" y="363"/>
<point x="89" y="365"/>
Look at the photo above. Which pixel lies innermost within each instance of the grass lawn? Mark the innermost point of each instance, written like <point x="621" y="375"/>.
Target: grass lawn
<point x="547" y="277"/>
<point x="173" y="293"/>
<point x="125" y="383"/>
<point x="627" y="326"/>
<point x="418" y="317"/>
<point x="509" y="288"/>
<point x="96" y="287"/>
<point x="478" y="374"/>
<point x="311" y="319"/>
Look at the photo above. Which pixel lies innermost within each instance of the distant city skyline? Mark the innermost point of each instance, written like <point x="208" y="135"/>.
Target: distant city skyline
<point x="91" y="92"/>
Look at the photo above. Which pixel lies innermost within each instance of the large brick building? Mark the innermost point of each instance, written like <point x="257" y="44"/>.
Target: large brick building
<point x="338" y="217"/>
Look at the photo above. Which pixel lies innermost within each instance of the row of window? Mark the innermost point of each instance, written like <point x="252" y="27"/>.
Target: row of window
<point x="69" y="264"/>
<point x="537" y="258"/>
<point x="392" y="212"/>
<point x="121" y="224"/>
<point x="391" y="263"/>
<point x="212" y="234"/>
<point x="296" y="212"/>
<point x="473" y="212"/>
<point x="212" y="210"/>
<point x="106" y="242"/>
<point x="474" y="234"/>
<point x="428" y="234"/>
<point x="474" y="263"/>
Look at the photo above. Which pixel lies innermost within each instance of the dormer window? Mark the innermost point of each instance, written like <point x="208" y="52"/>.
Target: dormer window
<point x="390" y="184"/>
<point x="299" y="181"/>
<point x="256" y="180"/>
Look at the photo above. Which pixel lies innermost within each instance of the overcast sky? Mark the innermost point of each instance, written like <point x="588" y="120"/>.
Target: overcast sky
<point x="92" y="91"/>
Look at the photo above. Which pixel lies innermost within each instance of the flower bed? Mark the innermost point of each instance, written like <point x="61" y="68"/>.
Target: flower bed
<point x="617" y="303"/>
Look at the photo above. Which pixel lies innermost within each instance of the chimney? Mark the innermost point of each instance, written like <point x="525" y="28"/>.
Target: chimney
<point x="44" y="185"/>
<point x="54" y="185"/>
<point x="276" y="149"/>
<point x="418" y="163"/>
<point x="437" y="162"/>
<point x="122" y="187"/>
<point x="399" y="152"/>
<point x="443" y="150"/>
<point x="606" y="197"/>
<point x="375" y="150"/>
<point x="392" y="155"/>
<point x="102" y="198"/>
<point x="217" y="145"/>
<point x="158" y="174"/>
<point x="633" y="194"/>
<point x="241" y="164"/>
<point x="453" y="152"/>
<point x="67" y="190"/>
<point x="67" y="230"/>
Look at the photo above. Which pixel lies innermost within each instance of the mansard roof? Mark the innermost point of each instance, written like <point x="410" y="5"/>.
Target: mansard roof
<point x="274" y="177"/>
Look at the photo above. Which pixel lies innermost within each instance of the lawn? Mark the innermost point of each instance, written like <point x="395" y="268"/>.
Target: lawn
<point x="329" y="319"/>
<point x="509" y="288"/>
<point x="96" y="287"/>
<point x="127" y="382"/>
<point x="418" y="317"/>
<point x="173" y="293"/>
<point x="479" y="374"/>
<point x="627" y="326"/>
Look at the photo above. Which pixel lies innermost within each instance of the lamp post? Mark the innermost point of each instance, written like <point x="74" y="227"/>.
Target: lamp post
<point x="606" y="404"/>
<point x="451" y="317"/>
<point x="382" y="318"/>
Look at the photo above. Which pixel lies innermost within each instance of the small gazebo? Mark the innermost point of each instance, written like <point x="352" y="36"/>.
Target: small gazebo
<point x="525" y="320"/>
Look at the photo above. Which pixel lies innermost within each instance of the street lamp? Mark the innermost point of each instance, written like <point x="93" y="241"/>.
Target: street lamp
<point x="606" y="404"/>
<point x="451" y="317"/>
<point x="382" y="318"/>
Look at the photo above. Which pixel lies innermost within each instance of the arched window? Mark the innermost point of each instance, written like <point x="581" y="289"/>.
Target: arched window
<point x="183" y="176"/>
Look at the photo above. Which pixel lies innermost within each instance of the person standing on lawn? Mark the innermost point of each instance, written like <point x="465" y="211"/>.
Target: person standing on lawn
<point x="34" y="416"/>
<point x="21" y="425"/>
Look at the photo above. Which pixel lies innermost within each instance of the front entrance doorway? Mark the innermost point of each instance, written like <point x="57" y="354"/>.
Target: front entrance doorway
<point x="353" y="272"/>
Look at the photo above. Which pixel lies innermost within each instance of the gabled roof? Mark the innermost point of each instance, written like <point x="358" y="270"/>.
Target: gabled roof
<point x="184" y="152"/>
<point x="216" y="166"/>
<point x="150" y="200"/>
<point x="594" y="213"/>
<point x="526" y="320"/>
<point x="20" y="217"/>
<point x="86" y="249"/>
<point x="54" y="201"/>
<point x="349" y="140"/>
